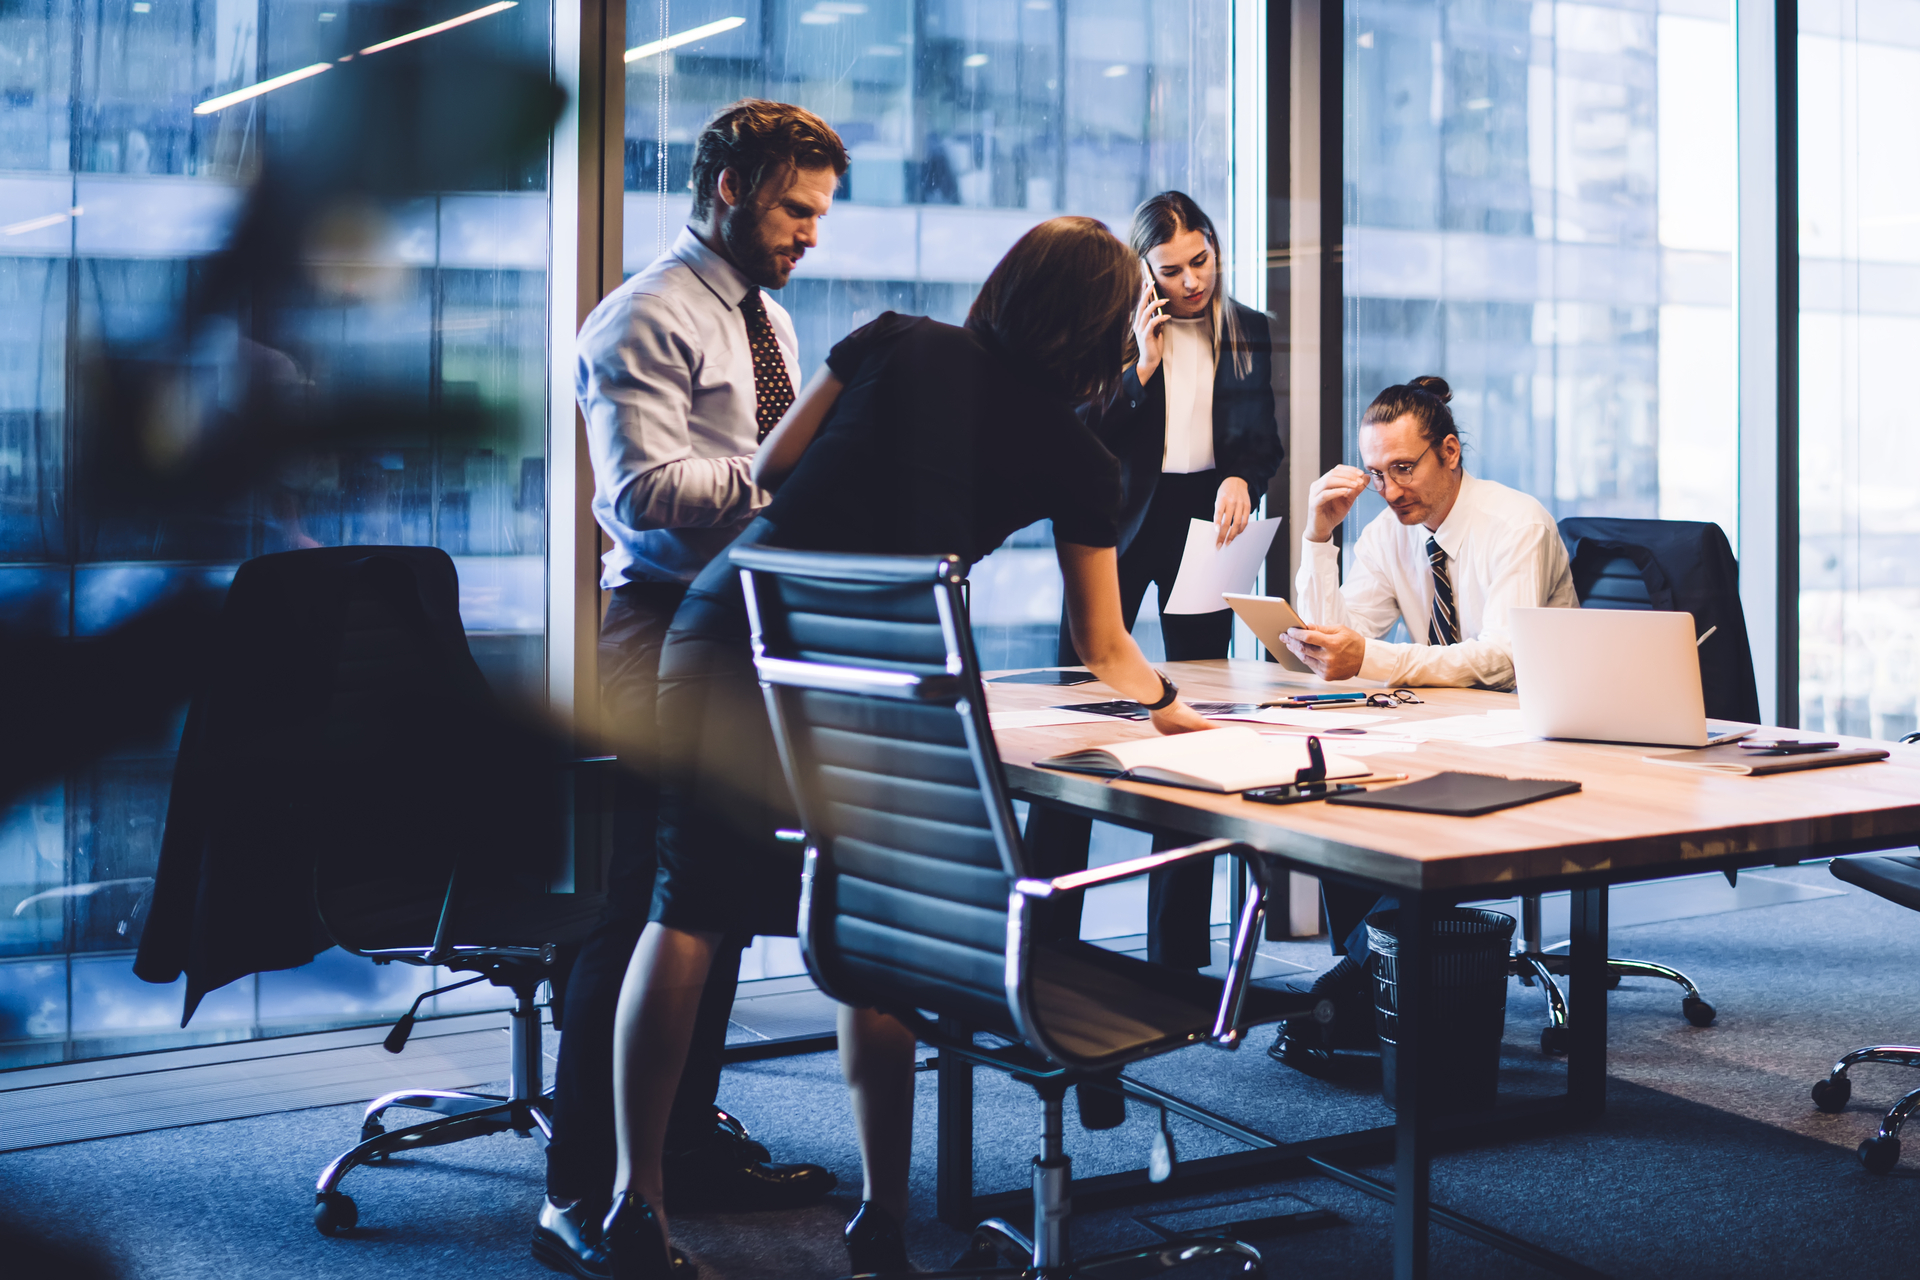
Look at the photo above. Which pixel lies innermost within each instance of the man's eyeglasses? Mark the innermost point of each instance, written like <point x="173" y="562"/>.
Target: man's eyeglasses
<point x="1400" y="471"/>
<point x="1393" y="698"/>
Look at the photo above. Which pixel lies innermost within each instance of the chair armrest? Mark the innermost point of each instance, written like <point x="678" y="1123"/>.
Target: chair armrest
<point x="1075" y="881"/>
<point x="1226" y="1031"/>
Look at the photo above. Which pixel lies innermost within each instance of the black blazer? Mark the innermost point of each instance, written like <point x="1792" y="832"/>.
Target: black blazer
<point x="260" y="790"/>
<point x="1246" y="428"/>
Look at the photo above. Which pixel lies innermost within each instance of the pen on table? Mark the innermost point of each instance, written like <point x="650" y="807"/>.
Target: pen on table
<point x="1309" y="700"/>
<point x="1704" y="634"/>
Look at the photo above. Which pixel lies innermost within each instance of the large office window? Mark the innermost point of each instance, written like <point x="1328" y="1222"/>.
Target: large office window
<point x="112" y="188"/>
<point x="968" y="121"/>
<point x="1859" y="328"/>
<point x="1539" y="208"/>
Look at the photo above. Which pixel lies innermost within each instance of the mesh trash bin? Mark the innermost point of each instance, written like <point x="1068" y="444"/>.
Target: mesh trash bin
<point x="1467" y="1002"/>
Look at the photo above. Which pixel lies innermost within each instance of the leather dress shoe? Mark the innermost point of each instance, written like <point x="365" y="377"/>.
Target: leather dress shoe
<point x="874" y="1242"/>
<point x="727" y="1172"/>
<point x="567" y="1240"/>
<point x="634" y="1247"/>
<point x="1307" y="1044"/>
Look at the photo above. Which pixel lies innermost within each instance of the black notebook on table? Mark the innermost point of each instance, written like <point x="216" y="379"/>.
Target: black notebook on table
<point x="1460" y="795"/>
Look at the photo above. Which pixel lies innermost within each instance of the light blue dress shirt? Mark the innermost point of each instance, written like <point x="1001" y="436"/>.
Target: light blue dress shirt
<point x="664" y="377"/>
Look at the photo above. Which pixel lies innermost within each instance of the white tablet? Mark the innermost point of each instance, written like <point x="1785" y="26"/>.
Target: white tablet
<point x="1269" y="617"/>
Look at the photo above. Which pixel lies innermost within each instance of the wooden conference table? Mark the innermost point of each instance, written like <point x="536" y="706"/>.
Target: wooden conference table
<point x="1631" y="821"/>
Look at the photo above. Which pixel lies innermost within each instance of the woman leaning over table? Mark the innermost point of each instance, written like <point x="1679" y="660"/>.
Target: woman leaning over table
<point x="918" y="438"/>
<point x="1196" y="433"/>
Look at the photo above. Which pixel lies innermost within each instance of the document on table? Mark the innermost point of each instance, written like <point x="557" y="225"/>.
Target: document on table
<point x="1042" y="717"/>
<point x="1494" y="729"/>
<point x="1207" y="572"/>
<point x="1301" y="718"/>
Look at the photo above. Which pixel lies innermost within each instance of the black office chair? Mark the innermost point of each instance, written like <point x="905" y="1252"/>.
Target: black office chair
<point x="919" y="898"/>
<point x="1897" y="879"/>
<point x="1671" y="565"/>
<point x="346" y="778"/>
<point x="434" y="828"/>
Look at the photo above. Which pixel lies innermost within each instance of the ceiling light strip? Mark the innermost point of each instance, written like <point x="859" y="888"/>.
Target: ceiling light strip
<point x="685" y="37"/>
<point x="438" y="27"/>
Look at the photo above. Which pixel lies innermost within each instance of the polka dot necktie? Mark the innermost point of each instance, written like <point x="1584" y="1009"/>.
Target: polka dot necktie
<point x="772" y="389"/>
<point x="1444" y="627"/>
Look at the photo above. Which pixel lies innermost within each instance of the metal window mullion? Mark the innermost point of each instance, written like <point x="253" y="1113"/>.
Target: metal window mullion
<point x="1767" y="315"/>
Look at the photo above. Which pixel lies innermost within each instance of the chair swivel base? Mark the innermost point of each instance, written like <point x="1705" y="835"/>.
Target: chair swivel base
<point x="478" y="1116"/>
<point x="1537" y="967"/>
<point x="1882" y="1151"/>
<point x="1000" y="1249"/>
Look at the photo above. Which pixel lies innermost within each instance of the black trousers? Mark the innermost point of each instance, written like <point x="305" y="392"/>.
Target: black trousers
<point x="582" y="1155"/>
<point x="1178" y="899"/>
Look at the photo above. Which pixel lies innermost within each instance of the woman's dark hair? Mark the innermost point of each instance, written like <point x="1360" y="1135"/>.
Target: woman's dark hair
<point x="1059" y="301"/>
<point x="1159" y="219"/>
<point x="1424" y="399"/>
<point x="758" y="139"/>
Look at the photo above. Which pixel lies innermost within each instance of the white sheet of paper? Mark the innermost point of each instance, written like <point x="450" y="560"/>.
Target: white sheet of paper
<point x="1042" y="717"/>
<point x="1306" y="718"/>
<point x="1472" y="730"/>
<point x="1371" y="746"/>
<point x="1207" y="574"/>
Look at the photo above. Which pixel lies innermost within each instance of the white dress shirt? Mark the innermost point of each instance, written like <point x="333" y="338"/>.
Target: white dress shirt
<point x="1503" y="552"/>
<point x="664" y="376"/>
<point x="1187" y="359"/>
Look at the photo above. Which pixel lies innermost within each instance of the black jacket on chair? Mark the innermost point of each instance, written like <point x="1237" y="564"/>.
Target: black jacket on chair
<point x="1246" y="434"/>
<point x="274" y="773"/>
<point x="1688" y="567"/>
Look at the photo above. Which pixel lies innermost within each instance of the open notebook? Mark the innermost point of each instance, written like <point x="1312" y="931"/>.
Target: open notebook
<point x="1224" y="760"/>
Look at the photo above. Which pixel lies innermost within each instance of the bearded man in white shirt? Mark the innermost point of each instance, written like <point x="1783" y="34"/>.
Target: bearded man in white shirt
<point x="1450" y="556"/>
<point x="681" y="371"/>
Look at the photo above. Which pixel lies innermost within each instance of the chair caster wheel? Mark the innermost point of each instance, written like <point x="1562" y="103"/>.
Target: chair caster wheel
<point x="371" y="1129"/>
<point x="1698" y="1012"/>
<point x="1880" y="1154"/>
<point x="1832" y="1095"/>
<point x="335" y="1212"/>
<point x="1553" y="1040"/>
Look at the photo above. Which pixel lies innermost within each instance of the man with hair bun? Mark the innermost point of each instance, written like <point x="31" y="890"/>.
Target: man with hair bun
<point x="1449" y="557"/>
<point x="681" y="371"/>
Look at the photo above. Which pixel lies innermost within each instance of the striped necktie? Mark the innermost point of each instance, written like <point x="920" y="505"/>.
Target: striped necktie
<point x="772" y="389"/>
<point x="1444" y="627"/>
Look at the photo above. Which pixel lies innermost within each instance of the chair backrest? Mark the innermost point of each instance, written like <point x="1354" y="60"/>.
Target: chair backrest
<point x="875" y="696"/>
<point x="1682" y="566"/>
<point x="342" y="726"/>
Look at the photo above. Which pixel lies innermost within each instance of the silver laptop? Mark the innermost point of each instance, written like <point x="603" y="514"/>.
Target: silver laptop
<point x="1612" y="675"/>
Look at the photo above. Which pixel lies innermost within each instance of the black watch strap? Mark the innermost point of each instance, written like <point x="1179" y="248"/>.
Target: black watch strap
<point x="1168" y="692"/>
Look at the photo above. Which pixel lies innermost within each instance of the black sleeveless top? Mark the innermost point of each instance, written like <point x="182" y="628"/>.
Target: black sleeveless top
<point x="941" y="443"/>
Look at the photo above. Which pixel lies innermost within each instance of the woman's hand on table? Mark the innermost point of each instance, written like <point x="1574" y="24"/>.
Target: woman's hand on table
<point x="1179" y="718"/>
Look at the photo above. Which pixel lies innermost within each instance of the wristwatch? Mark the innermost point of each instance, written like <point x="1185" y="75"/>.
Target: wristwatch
<point x="1168" y="692"/>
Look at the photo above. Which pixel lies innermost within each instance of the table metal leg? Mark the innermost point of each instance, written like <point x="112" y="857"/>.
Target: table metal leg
<point x="1414" y="1093"/>
<point x="1587" y="1004"/>
<point x="953" y="1136"/>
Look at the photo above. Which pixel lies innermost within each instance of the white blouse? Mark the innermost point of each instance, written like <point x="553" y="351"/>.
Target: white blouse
<point x="1187" y="361"/>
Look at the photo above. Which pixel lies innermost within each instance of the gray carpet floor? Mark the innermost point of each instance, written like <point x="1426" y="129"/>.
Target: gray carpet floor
<point x="1710" y="1161"/>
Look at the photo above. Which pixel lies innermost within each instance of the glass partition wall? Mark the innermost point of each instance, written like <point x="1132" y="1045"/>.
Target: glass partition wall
<point x="119" y="172"/>
<point x="1540" y="209"/>
<point x="967" y="121"/>
<point x="1860" y="316"/>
